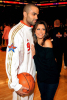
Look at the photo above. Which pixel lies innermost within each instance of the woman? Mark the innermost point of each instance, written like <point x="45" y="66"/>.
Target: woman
<point x="47" y="71"/>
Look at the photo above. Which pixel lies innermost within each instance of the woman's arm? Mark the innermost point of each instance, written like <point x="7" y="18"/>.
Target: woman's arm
<point x="48" y="43"/>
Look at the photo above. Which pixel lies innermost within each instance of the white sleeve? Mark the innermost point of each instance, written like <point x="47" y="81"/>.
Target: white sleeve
<point x="12" y="64"/>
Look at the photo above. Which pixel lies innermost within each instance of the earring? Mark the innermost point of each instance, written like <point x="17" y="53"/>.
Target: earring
<point x="35" y="35"/>
<point x="44" y="35"/>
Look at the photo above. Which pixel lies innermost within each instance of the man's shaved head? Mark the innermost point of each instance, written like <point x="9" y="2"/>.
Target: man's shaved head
<point x="57" y="23"/>
<point x="30" y="14"/>
<point x="27" y="7"/>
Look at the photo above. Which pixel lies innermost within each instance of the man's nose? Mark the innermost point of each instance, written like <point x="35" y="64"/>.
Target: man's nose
<point x="36" y="16"/>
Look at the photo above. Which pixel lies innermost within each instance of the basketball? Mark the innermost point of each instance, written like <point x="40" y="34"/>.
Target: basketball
<point x="26" y="80"/>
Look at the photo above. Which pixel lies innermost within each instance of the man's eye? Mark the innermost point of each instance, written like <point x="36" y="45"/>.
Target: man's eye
<point x="34" y="14"/>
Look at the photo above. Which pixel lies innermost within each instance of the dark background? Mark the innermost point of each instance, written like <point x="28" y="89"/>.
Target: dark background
<point x="13" y="14"/>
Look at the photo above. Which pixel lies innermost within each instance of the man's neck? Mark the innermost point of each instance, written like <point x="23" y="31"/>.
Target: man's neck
<point x="26" y="22"/>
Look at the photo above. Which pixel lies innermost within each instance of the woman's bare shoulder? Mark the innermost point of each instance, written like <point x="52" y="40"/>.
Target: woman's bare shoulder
<point x="48" y="43"/>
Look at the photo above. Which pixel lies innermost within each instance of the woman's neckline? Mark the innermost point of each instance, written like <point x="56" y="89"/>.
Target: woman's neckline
<point x="43" y="47"/>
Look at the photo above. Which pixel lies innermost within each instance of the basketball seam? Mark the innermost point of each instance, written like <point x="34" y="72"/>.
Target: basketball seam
<point x="27" y="80"/>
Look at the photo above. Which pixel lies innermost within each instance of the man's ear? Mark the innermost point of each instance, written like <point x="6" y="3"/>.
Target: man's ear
<point x="24" y="14"/>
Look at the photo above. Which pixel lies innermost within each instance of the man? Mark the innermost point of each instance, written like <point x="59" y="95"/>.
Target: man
<point x="6" y="32"/>
<point x="18" y="57"/>
<point x="64" y="45"/>
<point x="56" y="35"/>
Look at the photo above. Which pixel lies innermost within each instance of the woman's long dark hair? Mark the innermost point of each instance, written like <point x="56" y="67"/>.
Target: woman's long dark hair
<point x="34" y="28"/>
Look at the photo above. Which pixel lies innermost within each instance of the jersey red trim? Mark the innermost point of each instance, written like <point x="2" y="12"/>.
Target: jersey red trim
<point x="25" y="23"/>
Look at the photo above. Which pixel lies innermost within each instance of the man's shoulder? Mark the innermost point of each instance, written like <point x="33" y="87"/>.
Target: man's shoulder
<point x="8" y="27"/>
<point x="16" y="31"/>
<point x="17" y="28"/>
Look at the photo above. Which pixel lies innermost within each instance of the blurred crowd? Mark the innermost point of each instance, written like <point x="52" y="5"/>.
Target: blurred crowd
<point x="4" y="32"/>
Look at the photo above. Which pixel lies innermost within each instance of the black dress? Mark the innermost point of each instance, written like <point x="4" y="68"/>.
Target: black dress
<point x="47" y="70"/>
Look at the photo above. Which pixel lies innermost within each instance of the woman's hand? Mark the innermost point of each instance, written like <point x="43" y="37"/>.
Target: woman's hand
<point x="33" y="50"/>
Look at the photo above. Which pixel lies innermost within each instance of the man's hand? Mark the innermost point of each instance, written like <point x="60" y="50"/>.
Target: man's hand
<point x="20" y="91"/>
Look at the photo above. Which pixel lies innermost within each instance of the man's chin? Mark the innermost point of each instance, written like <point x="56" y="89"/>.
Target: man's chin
<point x="34" y="23"/>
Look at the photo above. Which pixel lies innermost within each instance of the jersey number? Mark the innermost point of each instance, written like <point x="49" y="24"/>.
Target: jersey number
<point x="28" y="46"/>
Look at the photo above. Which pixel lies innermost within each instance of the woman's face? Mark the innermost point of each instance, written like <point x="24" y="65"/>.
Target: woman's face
<point x="40" y="31"/>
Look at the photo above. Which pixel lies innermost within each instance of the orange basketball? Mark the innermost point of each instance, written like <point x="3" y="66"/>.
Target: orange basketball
<point x="26" y="80"/>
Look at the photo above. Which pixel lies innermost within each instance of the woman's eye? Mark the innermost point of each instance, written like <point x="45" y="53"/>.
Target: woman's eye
<point x="43" y="29"/>
<point x="38" y="29"/>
